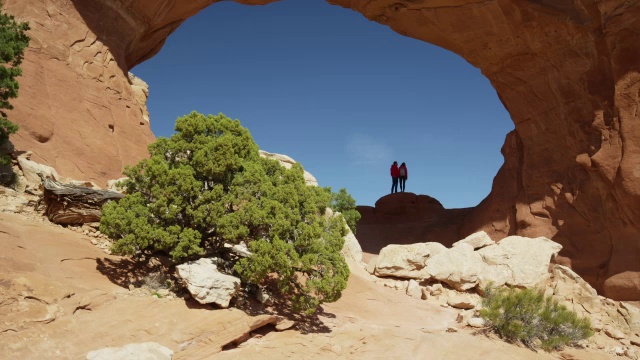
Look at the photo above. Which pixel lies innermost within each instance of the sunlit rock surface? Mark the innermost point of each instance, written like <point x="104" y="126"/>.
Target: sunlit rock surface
<point x="567" y="72"/>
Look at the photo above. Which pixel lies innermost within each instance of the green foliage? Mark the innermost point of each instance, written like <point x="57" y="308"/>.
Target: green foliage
<point x="13" y="41"/>
<point x="346" y="205"/>
<point x="207" y="186"/>
<point x="526" y="316"/>
<point x="6" y="128"/>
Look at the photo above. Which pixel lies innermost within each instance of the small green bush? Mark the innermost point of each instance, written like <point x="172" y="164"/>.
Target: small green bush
<point x="527" y="317"/>
<point x="207" y="186"/>
<point x="343" y="202"/>
<point x="13" y="41"/>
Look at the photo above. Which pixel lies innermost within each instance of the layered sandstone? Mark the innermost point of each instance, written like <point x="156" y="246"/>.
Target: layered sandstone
<point x="63" y="298"/>
<point x="567" y="72"/>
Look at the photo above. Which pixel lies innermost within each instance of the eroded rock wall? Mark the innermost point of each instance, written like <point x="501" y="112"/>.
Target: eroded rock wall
<point x="569" y="75"/>
<point x="567" y="72"/>
<point x="77" y="109"/>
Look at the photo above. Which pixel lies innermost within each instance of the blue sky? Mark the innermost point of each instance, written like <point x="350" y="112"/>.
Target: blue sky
<point x="340" y="94"/>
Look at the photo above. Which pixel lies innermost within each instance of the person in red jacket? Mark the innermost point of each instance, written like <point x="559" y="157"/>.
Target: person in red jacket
<point x="404" y="175"/>
<point x="395" y="173"/>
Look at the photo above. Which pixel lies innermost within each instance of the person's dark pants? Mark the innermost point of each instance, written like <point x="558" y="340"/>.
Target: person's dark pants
<point x="394" y="185"/>
<point x="403" y="180"/>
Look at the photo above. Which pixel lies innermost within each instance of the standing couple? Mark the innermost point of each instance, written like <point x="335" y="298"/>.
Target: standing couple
<point x="398" y="173"/>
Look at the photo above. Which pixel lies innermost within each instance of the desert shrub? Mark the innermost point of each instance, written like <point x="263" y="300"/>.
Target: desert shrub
<point x="13" y="41"/>
<point x="527" y="317"/>
<point x="343" y="202"/>
<point x="207" y="186"/>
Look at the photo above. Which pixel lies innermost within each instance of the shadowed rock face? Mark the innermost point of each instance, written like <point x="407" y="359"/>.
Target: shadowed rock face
<point x="567" y="72"/>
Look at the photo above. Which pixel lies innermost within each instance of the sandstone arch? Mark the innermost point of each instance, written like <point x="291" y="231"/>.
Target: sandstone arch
<point x="568" y="72"/>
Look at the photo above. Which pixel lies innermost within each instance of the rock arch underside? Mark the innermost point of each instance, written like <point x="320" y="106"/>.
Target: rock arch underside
<point x="567" y="71"/>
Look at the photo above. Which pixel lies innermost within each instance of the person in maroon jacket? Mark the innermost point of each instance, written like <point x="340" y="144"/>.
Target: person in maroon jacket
<point x="404" y="175"/>
<point x="395" y="173"/>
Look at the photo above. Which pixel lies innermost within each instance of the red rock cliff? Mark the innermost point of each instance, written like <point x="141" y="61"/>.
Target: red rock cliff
<point x="567" y="72"/>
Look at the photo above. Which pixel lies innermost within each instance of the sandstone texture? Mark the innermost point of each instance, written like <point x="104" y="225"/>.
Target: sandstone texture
<point x="524" y="260"/>
<point x="457" y="276"/>
<point x="406" y="261"/>
<point x="78" y="111"/>
<point x="404" y="219"/>
<point x="514" y="261"/>
<point x="566" y="71"/>
<point x="351" y="248"/>
<point x="407" y="218"/>
<point x="460" y="267"/>
<point x="476" y="240"/>
<point x="143" y="351"/>
<point x="63" y="298"/>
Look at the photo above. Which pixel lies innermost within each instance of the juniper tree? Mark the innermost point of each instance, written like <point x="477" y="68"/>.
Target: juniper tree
<point x="207" y="186"/>
<point x="343" y="202"/>
<point x="13" y="41"/>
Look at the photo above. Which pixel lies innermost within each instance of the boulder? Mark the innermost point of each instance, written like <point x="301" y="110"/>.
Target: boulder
<point x="623" y="286"/>
<point x="525" y="261"/>
<point x="285" y="324"/>
<point x="263" y="297"/>
<point x="476" y="240"/>
<point x="351" y="248"/>
<point x="406" y="261"/>
<point x="141" y="351"/>
<point x="424" y="293"/>
<point x="206" y="284"/>
<point x="407" y="205"/>
<point x="240" y="249"/>
<point x="514" y="261"/>
<point x="464" y="316"/>
<point x="463" y="301"/>
<point x="476" y="322"/>
<point x="435" y="289"/>
<point x="460" y="267"/>
<point x="413" y="289"/>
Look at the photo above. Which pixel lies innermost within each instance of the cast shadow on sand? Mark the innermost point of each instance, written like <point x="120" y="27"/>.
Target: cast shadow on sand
<point x="125" y="272"/>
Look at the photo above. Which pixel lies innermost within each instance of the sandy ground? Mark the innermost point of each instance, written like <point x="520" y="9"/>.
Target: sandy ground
<point x="61" y="297"/>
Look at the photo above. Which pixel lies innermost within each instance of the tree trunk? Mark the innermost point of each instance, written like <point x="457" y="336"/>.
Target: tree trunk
<point x="72" y="204"/>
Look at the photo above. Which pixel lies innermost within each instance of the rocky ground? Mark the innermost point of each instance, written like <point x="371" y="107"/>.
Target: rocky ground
<point x="62" y="296"/>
